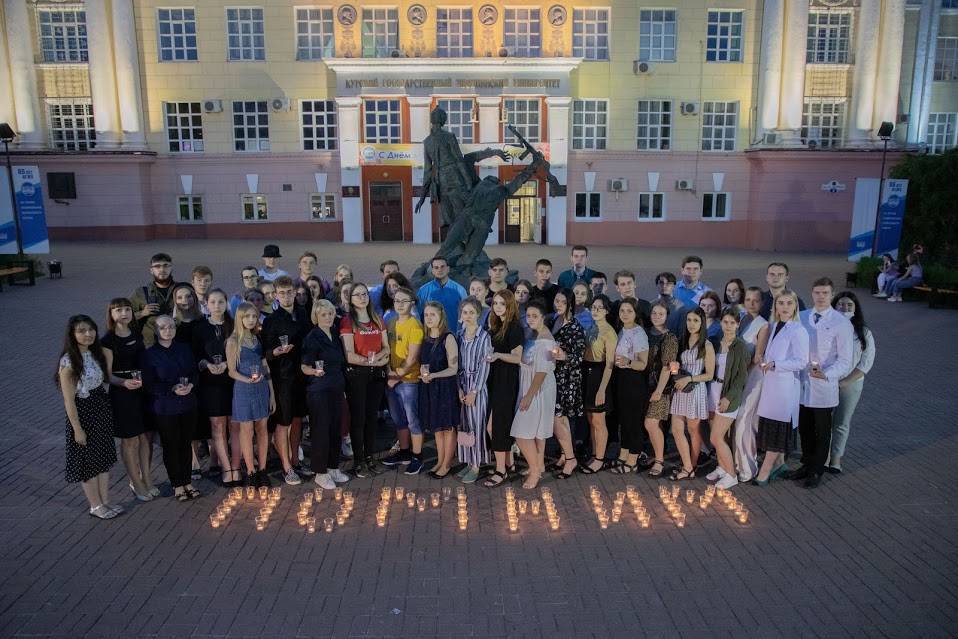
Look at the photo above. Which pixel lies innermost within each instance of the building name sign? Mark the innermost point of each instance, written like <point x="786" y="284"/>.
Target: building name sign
<point x="448" y="83"/>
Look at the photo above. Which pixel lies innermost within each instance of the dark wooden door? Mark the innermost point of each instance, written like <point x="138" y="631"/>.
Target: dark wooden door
<point x="385" y="211"/>
<point x="521" y="214"/>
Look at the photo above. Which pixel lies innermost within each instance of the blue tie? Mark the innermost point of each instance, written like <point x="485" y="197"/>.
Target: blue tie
<point x="818" y="316"/>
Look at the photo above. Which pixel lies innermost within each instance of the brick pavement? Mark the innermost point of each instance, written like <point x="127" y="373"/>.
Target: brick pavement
<point x="870" y="553"/>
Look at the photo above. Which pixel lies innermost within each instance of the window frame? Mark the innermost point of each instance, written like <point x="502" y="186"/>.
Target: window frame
<point x="512" y="40"/>
<point x="183" y="35"/>
<point x="588" y="195"/>
<point x="255" y="197"/>
<point x="310" y="34"/>
<point x="714" y="195"/>
<point x="578" y="141"/>
<point x="465" y="23"/>
<point x="245" y="126"/>
<point x="332" y="142"/>
<point x="946" y="44"/>
<point x="652" y="195"/>
<point x="937" y="129"/>
<point x="807" y="127"/>
<point x="663" y="35"/>
<point x="82" y="41"/>
<point x="190" y="127"/>
<point x="713" y="126"/>
<point x="524" y="128"/>
<point x="252" y="34"/>
<point x="459" y="127"/>
<point x="89" y="142"/>
<point x="584" y="49"/>
<point x="327" y="196"/>
<point x="392" y="24"/>
<point x="729" y="36"/>
<point x="399" y="110"/>
<point x="191" y="201"/>
<point x="821" y="34"/>
<point x="648" y="125"/>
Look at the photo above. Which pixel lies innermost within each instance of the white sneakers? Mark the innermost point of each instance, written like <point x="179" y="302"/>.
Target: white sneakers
<point x="291" y="478"/>
<point x="718" y="473"/>
<point x="881" y="295"/>
<point x="727" y="482"/>
<point x="338" y="476"/>
<point x="325" y="481"/>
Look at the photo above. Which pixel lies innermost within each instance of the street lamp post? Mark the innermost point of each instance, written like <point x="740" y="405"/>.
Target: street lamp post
<point x="884" y="132"/>
<point x="6" y="136"/>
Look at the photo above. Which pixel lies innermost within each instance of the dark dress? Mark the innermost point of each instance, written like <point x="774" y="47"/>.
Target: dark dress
<point x="571" y="339"/>
<point x="83" y="463"/>
<point x="503" y="387"/>
<point x="663" y="348"/>
<point x="439" y="407"/>
<point x="216" y="391"/>
<point x="127" y="404"/>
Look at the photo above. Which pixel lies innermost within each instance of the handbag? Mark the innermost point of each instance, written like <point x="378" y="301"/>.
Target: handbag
<point x="691" y="385"/>
<point x="466" y="439"/>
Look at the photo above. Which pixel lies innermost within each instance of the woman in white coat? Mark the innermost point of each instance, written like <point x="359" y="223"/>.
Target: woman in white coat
<point x="754" y="331"/>
<point x="785" y="357"/>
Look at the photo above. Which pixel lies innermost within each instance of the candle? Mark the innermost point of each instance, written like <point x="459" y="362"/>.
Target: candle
<point x="340" y="518"/>
<point x="616" y="514"/>
<point x="301" y="518"/>
<point x="421" y="504"/>
<point x="328" y="524"/>
<point x="347" y="495"/>
<point x="703" y="502"/>
<point x="318" y="494"/>
<point x="399" y="493"/>
<point x="689" y="496"/>
<point x="523" y="506"/>
<point x="640" y="512"/>
<point x="603" y="521"/>
<point x="513" y="525"/>
<point x="263" y="493"/>
<point x="434" y="499"/>
<point x="554" y="522"/>
<point x="743" y="515"/>
<point x="254" y="372"/>
<point x="338" y="494"/>
<point x="214" y="521"/>
<point x="311" y="524"/>
<point x="319" y="364"/>
<point x="675" y="492"/>
<point x="284" y="340"/>
<point x="381" y="520"/>
<point x="345" y="512"/>
<point x="276" y="492"/>
<point x="250" y="492"/>
<point x="663" y="492"/>
<point x="383" y="509"/>
<point x="673" y="367"/>
<point x="630" y="491"/>
<point x="463" y="523"/>
<point x="446" y="493"/>
<point x="260" y="523"/>
<point x="411" y="498"/>
<point x="386" y="494"/>
<point x="644" y="521"/>
<point x="680" y="520"/>
<point x="536" y="504"/>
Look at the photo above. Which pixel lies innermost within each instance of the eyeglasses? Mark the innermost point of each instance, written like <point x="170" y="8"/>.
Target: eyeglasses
<point x="360" y="295"/>
<point x="250" y="277"/>
<point x="597" y="308"/>
<point x="284" y="293"/>
<point x="162" y="265"/>
<point x="166" y="327"/>
<point x="397" y="302"/>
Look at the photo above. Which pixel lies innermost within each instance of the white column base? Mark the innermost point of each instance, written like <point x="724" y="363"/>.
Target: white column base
<point x="352" y="208"/>
<point x="422" y="221"/>
<point x="556" y="212"/>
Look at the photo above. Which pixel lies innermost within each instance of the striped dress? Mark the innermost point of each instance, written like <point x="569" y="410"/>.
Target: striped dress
<point x="473" y="371"/>
<point x="692" y="404"/>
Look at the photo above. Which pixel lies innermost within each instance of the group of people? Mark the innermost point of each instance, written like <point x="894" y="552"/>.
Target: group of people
<point x="486" y="371"/>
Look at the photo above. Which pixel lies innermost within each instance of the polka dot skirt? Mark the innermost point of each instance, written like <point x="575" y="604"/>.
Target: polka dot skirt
<point x="99" y="453"/>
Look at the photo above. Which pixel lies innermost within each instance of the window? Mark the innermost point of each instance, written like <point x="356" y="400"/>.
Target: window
<point x="590" y="120"/>
<point x="946" y="60"/>
<point x="314" y="33"/>
<point x="590" y="34"/>
<point x="190" y="208"/>
<point x="588" y="206"/>
<point x="715" y="206"/>
<point x="71" y="126"/>
<point x="322" y="207"/>
<point x="460" y="118"/>
<point x="719" y="126"/>
<point x="250" y="126"/>
<point x="829" y="37"/>
<point x="383" y="122"/>
<point x="454" y="33"/>
<point x="657" y="35"/>
<point x="320" y="130"/>
<point x="524" y="115"/>
<point x="254" y="208"/>
<point x="184" y="127"/>
<point x="177" y="35"/>
<point x="941" y="132"/>
<point x="245" y="34"/>
<point x="724" y="42"/>
<point x="521" y="31"/>
<point x="655" y="125"/>
<point x="823" y="122"/>
<point x="380" y="32"/>
<point x="63" y="36"/>
<point x="651" y="206"/>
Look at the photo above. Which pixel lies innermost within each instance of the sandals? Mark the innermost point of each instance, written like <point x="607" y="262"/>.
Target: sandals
<point x="622" y="468"/>
<point x="561" y="462"/>
<point x="182" y="497"/>
<point x="565" y="475"/>
<point x="589" y="470"/>
<point x="148" y="496"/>
<point x="103" y="512"/>
<point x="680" y="474"/>
<point x="196" y="475"/>
<point x="657" y="467"/>
<point x="193" y="493"/>
<point x="492" y="482"/>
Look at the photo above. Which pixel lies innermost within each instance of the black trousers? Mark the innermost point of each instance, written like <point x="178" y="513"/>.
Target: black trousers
<point x="631" y="401"/>
<point x="176" y="435"/>
<point x="365" y="388"/>
<point x="815" y="429"/>
<point x="325" y="419"/>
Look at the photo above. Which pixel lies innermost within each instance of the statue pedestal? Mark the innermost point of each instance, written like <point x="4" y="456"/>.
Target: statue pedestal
<point x="461" y="274"/>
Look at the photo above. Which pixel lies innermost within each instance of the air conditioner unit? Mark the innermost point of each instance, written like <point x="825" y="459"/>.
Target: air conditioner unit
<point x="279" y="104"/>
<point x="812" y="137"/>
<point x="689" y="108"/>
<point x="640" y="67"/>
<point x="618" y="185"/>
<point x="213" y="106"/>
<point x="771" y="138"/>
<point x="398" y="53"/>
<point x="683" y="185"/>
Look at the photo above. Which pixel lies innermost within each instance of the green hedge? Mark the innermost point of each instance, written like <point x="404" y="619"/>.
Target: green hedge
<point x="866" y="270"/>
<point x="941" y="276"/>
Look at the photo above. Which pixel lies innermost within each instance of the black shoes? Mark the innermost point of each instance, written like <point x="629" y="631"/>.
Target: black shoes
<point x="814" y="479"/>
<point x="801" y="473"/>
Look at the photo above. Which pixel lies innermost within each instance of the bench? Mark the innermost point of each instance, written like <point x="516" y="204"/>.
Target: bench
<point x="12" y="270"/>
<point x="938" y="297"/>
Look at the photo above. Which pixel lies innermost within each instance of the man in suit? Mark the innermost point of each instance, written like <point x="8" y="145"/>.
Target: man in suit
<point x="830" y="343"/>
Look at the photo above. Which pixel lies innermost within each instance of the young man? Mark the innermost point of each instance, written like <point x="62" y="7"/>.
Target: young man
<point x="156" y="298"/>
<point x="498" y="270"/>
<point x="202" y="279"/>
<point x="624" y="282"/>
<point x="443" y="290"/>
<point x="375" y="293"/>
<point x="307" y="267"/>
<point x="776" y="276"/>
<point x="269" y="272"/>
<point x="544" y="289"/>
<point x="690" y="289"/>
<point x="402" y="386"/>
<point x="250" y="277"/>
<point x="599" y="283"/>
<point x="830" y="345"/>
<point x="579" y="271"/>
<point x="665" y="284"/>
<point x="287" y="325"/>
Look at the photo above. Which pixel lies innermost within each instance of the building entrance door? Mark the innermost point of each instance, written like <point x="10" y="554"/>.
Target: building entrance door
<point x="385" y="211"/>
<point x="523" y="215"/>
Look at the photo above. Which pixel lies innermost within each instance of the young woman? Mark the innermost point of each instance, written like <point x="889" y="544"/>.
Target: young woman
<point x="532" y="424"/>
<point x="216" y="385"/>
<point x="631" y="386"/>
<point x="711" y="304"/>
<point x="268" y="289"/>
<point x="317" y="289"/>
<point x="188" y="316"/>
<point x="479" y="289"/>
<point x="689" y="406"/>
<point x="474" y="342"/>
<point x="596" y="374"/>
<point x="387" y="301"/>
<point x="889" y="271"/>
<point x="754" y="332"/>
<point x="507" y="337"/>
<point x="570" y="340"/>
<point x="785" y="357"/>
<point x="911" y="277"/>
<point x="323" y="363"/>
<point x="367" y="358"/>
<point x="124" y="347"/>
<point x="725" y="394"/>
<point x="583" y="304"/>
<point x="303" y="300"/>
<point x="169" y="376"/>
<point x="439" y="408"/>
<point x="343" y="272"/>
<point x="523" y="293"/>
<point x="850" y="387"/>
<point x="90" y="452"/>
<point x="734" y="295"/>
<point x="663" y="350"/>
<point x="402" y="386"/>
<point x="253" y="398"/>
<point x="255" y="297"/>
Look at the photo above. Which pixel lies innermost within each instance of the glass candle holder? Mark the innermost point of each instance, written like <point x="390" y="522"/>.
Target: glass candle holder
<point x="214" y="520"/>
<point x="630" y="490"/>
<point x="603" y="521"/>
<point x="250" y="492"/>
<point x="399" y="491"/>
<point x="381" y="520"/>
<point x="446" y="493"/>
<point x="703" y="502"/>
<point x="310" y="524"/>
<point x="620" y="496"/>
<point x="347" y="494"/>
<point x="710" y="490"/>
<point x="421" y="504"/>
<point x="338" y="494"/>
<point x="743" y="515"/>
<point x="513" y="525"/>
<point x="680" y="520"/>
<point x="434" y="500"/>
<point x="523" y="506"/>
<point x="463" y="524"/>
<point x="340" y="518"/>
<point x="382" y="510"/>
<point x="689" y="496"/>
<point x="460" y="490"/>
<point x="554" y="523"/>
<point x="301" y="518"/>
<point x="640" y="511"/>
<point x="616" y="514"/>
<point x="536" y="505"/>
<point x="264" y="512"/>
<point x="328" y="524"/>
<point x="644" y="521"/>
<point x="276" y="492"/>
<point x="345" y="511"/>
<point x="261" y="523"/>
<point x="263" y="493"/>
<point x="349" y="502"/>
<point x="675" y="491"/>
<point x="317" y="495"/>
<point x="411" y="499"/>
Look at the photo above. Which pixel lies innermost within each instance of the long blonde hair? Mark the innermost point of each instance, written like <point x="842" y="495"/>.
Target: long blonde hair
<point x="239" y="329"/>
<point x="792" y="294"/>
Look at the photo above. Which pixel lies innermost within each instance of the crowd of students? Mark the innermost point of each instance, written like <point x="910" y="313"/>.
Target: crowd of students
<point x="484" y="371"/>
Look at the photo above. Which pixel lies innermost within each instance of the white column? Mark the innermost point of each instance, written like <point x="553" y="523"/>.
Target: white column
<point x="351" y="174"/>
<point x="862" y="107"/>
<point x="489" y="124"/>
<point x="559" y="160"/>
<point x="7" y="112"/>
<point x="128" y="76"/>
<point x="770" y="76"/>
<point x="925" y="46"/>
<point x="889" y="63"/>
<point x="793" y="71"/>
<point x="418" y="130"/>
<point x="102" y="76"/>
<point x="24" y="83"/>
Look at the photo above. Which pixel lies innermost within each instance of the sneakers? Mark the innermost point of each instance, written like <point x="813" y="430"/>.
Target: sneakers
<point x="471" y="476"/>
<point x="396" y="459"/>
<point x="894" y="299"/>
<point x="338" y="476"/>
<point x="881" y="295"/>
<point x="325" y="481"/>
<point x="291" y="478"/>
<point x="303" y="471"/>
<point x="703" y="460"/>
<point x="346" y="450"/>
<point x="727" y="482"/>
<point x="375" y="466"/>
<point x="361" y="470"/>
<point x="415" y="465"/>
<point x="716" y="474"/>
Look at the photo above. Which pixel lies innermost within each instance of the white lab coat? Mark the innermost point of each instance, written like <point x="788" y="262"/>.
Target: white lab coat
<point x="781" y="388"/>
<point x="831" y="342"/>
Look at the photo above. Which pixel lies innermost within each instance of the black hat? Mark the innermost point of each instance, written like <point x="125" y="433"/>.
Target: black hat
<point x="271" y="250"/>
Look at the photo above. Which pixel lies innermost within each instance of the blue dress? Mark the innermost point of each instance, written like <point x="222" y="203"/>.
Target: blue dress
<point x="250" y="401"/>
<point x="439" y="407"/>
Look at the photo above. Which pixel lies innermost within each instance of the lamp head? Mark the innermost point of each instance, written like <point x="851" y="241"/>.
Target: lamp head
<point x="6" y="132"/>
<point x="885" y="130"/>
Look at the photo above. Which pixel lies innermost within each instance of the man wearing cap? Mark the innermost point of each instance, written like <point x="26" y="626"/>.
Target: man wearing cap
<point x="269" y="272"/>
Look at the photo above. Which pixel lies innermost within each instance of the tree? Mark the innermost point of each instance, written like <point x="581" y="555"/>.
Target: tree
<point x="931" y="208"/>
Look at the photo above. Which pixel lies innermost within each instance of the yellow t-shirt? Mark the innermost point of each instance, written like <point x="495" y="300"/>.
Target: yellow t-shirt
<point x="598" y="342"/>
<point x="401" y="336"/>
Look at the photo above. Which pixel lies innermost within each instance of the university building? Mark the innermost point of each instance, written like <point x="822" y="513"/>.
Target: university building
<point x="741" y="123"/>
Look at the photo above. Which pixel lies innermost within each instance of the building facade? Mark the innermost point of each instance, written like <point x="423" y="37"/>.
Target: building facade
<point x="741" y="124"/>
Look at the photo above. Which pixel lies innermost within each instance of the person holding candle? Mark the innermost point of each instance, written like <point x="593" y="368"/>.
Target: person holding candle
<point x="188" y="315"/>
<point x="405" y="334"/>
<point x="689" y="405"/>
<point x="124" y="348"/>
<point x="725" y="393"/>
<point x="439" y="407"/>
<point x="253" y="398"/>
<point x="473" y="341"/>
<point x="323" y="361"/>
<point x="597" y="366"/>
<point x="90" y="452"/>
<point x="507" y="339"/>
<point x="632" y="396"/>
<point x="663" y="351"/>
<point x="169" y="376"/>
<point x="754" y="332"/>
<point x="785" y="356"/>
<point x="569" y="352"/>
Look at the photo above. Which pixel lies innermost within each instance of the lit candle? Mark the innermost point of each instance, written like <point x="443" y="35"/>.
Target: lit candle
<point x="513" y="525"/>
<point x="446" y="493"/>
<point x="421" y="504"/>
<point x="318" y="494"/>
<point x="400" y="491"/>
<point x="264" y="512"/>
<point x="276" y="492"/>
<point x="345" y="512"/>
<point x="380" y="520"/>
<point x="338" y="494"/>
<point x="743" y="515"/>
<point x="411" y="499"/>
<point x="689" y="496"/>
<point x="554" y="522"/>
<point x="644" y="521"/>
<point x="328" y="524"/>
<point x="523" y="506"/>
<point x="616" y="514"/>
<point x="434" y="499"/>
<point x="675" y="492"/>
<point x="263" y="493"/>
<point x="214" y="521"/>
<point x="680" y="520"/>
<point x="250" y="492"/>
<point x="463" y="523"/>
<point x="260" y="523"/>
<point x="311" y="524"/>
<point x="301" y="518"/>
<point x="703" y="502"/>
<point x="640" y="511"/>
<point x="340" y="518"/>
<point x="630" y="491"/>
<point x="386" y="494"/>
<point x="536" y="504"/>
<point x="603" y="521"/>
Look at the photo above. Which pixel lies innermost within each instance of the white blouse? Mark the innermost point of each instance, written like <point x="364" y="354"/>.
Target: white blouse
<point x="632" y="341"/>
<point x="90" y="378"/>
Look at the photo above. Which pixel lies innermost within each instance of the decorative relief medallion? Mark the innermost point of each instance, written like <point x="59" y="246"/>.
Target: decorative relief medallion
<point x="416" y="15"/>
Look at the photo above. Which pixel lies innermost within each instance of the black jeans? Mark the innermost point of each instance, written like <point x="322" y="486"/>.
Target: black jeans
<point x="176" y="435"/>
<point x="631" y="401"/>
<point x="365" y="388"/>
<point x="815" y="429"/>
<point x="325" y="418"/>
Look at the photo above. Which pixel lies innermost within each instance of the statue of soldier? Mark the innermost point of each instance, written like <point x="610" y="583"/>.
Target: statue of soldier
<point x="445" y="177"/>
